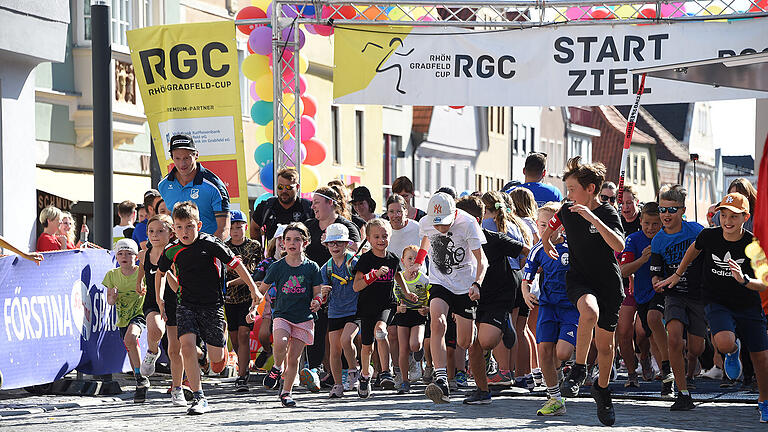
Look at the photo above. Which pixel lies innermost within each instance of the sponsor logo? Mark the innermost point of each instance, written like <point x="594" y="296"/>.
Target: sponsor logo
<point x="297" y="216"/>
<point x="438" y="208"/>
<point x="722" y="268"/>
<point x="565" y="259"/>
<point x="729" y="199"/>
<point x="570" y="333"/>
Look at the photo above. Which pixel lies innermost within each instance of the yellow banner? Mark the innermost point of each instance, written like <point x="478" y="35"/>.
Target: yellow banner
<point x="189" y="82"/>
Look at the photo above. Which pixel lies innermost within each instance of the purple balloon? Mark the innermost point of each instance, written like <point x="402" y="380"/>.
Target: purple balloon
<point x="254" y="95"/>
<point x="289" y="35"/>
<point x="260" y="40"/>
<point x="288" y="11"/>
<point x="289" y="146"/>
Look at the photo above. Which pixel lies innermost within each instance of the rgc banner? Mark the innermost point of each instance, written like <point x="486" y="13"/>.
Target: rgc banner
<point x="551" y="66"/>
<point x="189" y="82"/>
<point x="56" y="319"/>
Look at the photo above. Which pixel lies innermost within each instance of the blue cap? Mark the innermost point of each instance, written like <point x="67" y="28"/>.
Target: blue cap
<point x="237" y="216"/>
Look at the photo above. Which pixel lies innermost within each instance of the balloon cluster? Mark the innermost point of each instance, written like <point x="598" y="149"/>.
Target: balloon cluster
<point x="668" y="10"/>
<point x="257" y="67"/>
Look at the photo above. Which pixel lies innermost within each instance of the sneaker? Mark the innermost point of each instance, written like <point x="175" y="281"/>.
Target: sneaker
<point x="714" y="374"/>
<point x="141" y="390"/>
<point x="287" y="400"/>
<point x="405" y="388"/>
<point x="491" y="366"/>
<point x="199" y="406"/>
<point x="668" y="378"/>
<point x="377" y="381"/>
<point x="573" y="381"/>
<point x="414" y="370"/>
<point x="453" y="385"/>
<point x="763" y="408"/>
<point x="666" y="390"/>
<point x="683" y="403"/>
<point x="438" y="391"/>
<point x="690" y="383"/>
<point x="461" y="379"/>
<point x="647" y="368"/>
<point x="364" y="387"/>
<point x="241" y="384"/>
<point x="398" y="377"/>
<point x="387" y="382"/>
<point x="353" y="375"/>
<point x="148" y="365"/>
<point x="478" y="397"/>
<point x="272" y="379"/>
<point x="538" y="378"/>
<point x="327" y="381"/>
<point x="632" y="382"/>
<point x="308" y="377"/>
<point x="345" y="379"/>
<point x="429" y="375"/>
<point x="530" y="384"/>
<point x="261" y="359"/>
<point x="553" y="407"/>
<point x="177" y="397"/>
<point x="605" y="412"/>
<point x="732" y="363"/>
<point x="726" y="382"/>
<point x="337" y="391"/>
<point x="501" y="378"/>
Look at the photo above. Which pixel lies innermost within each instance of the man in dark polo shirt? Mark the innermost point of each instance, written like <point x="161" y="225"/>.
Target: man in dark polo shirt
<point x="284" y="208"/>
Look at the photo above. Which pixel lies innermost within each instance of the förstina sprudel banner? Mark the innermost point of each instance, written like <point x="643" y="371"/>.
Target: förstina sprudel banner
<point x="548" y="66"/>
<point x="189" y="81"/>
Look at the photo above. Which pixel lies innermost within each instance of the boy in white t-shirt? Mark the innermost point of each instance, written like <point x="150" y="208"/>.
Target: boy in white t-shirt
<point x="127" y="212"/>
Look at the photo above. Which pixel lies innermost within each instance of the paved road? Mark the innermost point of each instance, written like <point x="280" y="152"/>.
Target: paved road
<point x="260" y="409"/>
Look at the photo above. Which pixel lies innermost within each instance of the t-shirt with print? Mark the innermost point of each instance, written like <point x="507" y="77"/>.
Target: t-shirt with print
<point x="667" y="250"/>
<point x="269" y="213"/>
<point x="295" y="289"/>
<point x="419" y="286"/>
<point x="199" y="269"/>
<point x="249" y="252"/>
<point x="500" y="286"/>
<point x="342" y="300"/>
<point x="719" y="285"/>
<point x="380" y="294"/>
<point x="633" y="250"/>
<point x="552" y="285"/>
<point x="592" y="260"/>
<point x="129" y="304"/>
<point x="451" y="261"/>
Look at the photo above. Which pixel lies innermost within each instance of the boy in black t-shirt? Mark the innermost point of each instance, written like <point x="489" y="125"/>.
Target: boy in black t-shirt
<point x="199" y="259"/>
<point x="593" y="281"/>
<point x="731" y="293"/>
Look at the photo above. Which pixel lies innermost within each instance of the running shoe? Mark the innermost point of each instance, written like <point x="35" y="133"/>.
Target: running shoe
<point x="308" y="377"/>
<point x="666" y="390"/>
<point x="398" y="377"/>
<point x="690" y="383"/>
<point x="461" y="379"/>
<point x="261" y="359"/>
<point x="141" y="390"/>
<point x="714" y="374"/>
<point x="148" y="365"/>
<point x="429" y="375"/>
<point x="573" y="381"/>
<point x="727" y="382"/>
<point x="632" y="382"/>
<point x="683" y="403"/>
<point x="364" y="387"/>
<point x="414" y="369"/>
<point x="668" y="378"/>
<point x="732" y="363"/>
<point x="387" y="382"/>
<point x="438" y="391"/>
<point x="287" y="400"/>
<point x="405" y="388"/>
<point x="491" y="366"/>
<point x="553" y="407"/>
<point x="241" y="384"/>
<point x="647" y="367"/>
<point x="763" y="408"/>
<point x="326" y="381"/>
<point x="352" y="377"/>
<point x="452" y="385"/>
<point x="337" y="391"/>
<point x="538" y="378"/>
<point x="478" y="397"/>
<point x="529" y="382"/>
<point x="501" y="378"/>
<point x="272" y="380"/>
<point x="177" y="397"/>
<point x="199" y="405"/>
<point x="605" y="412"/>
<point x="345" y="379"/>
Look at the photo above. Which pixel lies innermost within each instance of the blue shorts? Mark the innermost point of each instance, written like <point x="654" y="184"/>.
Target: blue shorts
<point x="749" y="325"/>
<point x="557" y="323"/>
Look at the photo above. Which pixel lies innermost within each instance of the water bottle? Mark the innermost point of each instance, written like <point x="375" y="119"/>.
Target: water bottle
<point x="83" y="234"/>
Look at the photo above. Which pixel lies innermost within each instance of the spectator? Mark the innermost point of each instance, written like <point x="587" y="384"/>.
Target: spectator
<point x="744" y="187"/>
<point x="608" y="193"/>
<point x="50" y="239"/>
<point x="190" y="181"/>
<point x="141" y="212"/>
<point x="161" y="208"/>
<point x="32" y="256"/>
<point x="343" y="192"/>
<point x="284" y="208"/>
<point x="126" y="211"/>
<point x="140" y="230"/>
<point x="534" y="170"/>
<point x="363" y="203"/>
<point x="403" y="186"/>
<point x="405" y="232"/>
<point x="67" y="228"/>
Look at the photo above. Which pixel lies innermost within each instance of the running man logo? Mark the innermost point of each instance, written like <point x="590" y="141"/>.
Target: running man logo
<point x="394" y="44"/>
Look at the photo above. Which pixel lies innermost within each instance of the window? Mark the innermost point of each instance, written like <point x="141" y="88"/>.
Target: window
<point x="628" y="169"/>
<point x="391" y="148"/>
<point x="488" y="183"/>
<point x="146" y="12"/>
<point x="438" y="174"/>
<point x="121" y="21"/>
<point x="86" y="19"/>
<point x="335" y="138"/>
<point x="453" y="176"/>
<point x="499" y="184"/>
<point x="478" y="182"/>
<point x="533" y="139"/>
<point x="514" y="139"/>
<point x="466" y="178"/>
<point x="642" y="169"/>
<point x="427" y="176"/>
<point x="558" y="158"/>
<point x="359" y="141"/>
<point x="416" y="173"/>
<point x="634" y="168"/>
<point x="524" y="138"/>
<point x="491" y="122"/>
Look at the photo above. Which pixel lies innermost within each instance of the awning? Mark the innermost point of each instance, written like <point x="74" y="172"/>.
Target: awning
<point x="78" y="186"/>
<point x="747" y="71"/>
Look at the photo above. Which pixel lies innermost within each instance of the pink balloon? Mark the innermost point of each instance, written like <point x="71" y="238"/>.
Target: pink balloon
<point x="307" y="195"/>
<point x="308" y="128"/>
<point x="323" y="30"/>
<point x="288" y="82"/>
<point x="254" y="96"/>
<point x="425" y="18"/>
<point x="671" y="10"/>
<point x="260" y="40"/>
<point x="574" y="13"/>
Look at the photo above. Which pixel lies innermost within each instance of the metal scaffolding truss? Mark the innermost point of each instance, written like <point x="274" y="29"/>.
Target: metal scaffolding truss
<point x="443" y="15"/>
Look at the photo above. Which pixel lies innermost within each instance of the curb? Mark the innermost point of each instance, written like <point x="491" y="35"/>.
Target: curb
<point x="17" y="409"/>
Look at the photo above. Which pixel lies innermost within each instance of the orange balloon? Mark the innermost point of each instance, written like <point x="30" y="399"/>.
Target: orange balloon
<point x="316" y="152"/>
<point x="310" y="105"/>
<point x="375" y="13"/>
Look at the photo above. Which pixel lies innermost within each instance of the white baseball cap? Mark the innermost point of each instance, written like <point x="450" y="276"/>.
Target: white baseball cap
<point x="441" y="209"/>
<point x="336" y="232"/>
<point x="126" y="244"/>
<point x="279" y="231"/>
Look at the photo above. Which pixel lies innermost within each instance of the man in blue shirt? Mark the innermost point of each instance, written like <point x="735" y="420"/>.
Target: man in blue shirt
<point x="534" y="170"/>
<point x="190" y="181"/>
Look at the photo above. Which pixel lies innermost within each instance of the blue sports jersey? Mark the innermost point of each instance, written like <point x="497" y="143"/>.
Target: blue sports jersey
<point x="206" y="190"/>
<point x="633" y="250"/>
<point x="542" y="192"/>
<point x="552" y="278"/>
<point x="140" y="232"/>
<point x="667" y="250"/>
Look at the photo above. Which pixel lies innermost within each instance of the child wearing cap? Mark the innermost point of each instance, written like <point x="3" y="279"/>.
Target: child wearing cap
<point x="237" y="300"/>
<point x="731" y="293"/>
<point x="121" y="292"/>
<point x="338" y="292"/>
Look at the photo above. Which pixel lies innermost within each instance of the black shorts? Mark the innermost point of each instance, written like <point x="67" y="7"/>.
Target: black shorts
<point x="138" y="320"/>
<point x="171" y="302"/>
<point x="336" y="324"/>
<point x="655" y="303"/>
<point x="410" y="318"/>
<point x="368" y="324"/>
<point x="458" y="304"/>
<point x="495" y="317"/>
<point x="609" y="299"/>
<point x="236" y="314"/>
<point x="208" y="323"/>
<point x="687" y="311"/>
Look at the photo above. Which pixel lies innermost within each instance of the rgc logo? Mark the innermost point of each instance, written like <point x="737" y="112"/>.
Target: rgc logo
<point x="183" y="59"/>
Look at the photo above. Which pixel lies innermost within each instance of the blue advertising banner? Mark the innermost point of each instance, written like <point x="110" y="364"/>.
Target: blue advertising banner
<point x="56" y="319"/>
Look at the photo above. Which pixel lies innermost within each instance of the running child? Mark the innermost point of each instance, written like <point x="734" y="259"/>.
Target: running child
<point x="298" y="282"/>
<point x="683" y="303"/>
<point x="558" y="319"/>
<point x="731" y="293"/>
<point x="338" y="291"/>
<point x="121" y="292"/>
<point x="198" y="258"/>
<point x="593" y="282"/>
<point x="374" y="281"/>
<point x="275" y="251"/>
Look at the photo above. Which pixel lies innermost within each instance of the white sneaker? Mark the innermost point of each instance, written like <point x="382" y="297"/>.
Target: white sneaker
<point x="352" y="376"/>
<point x="414" y="370"/>
<point x="177" y="397"/>
<point x="398" y="378"/>
<point x="148" y="365"/>
<point x="714" y="374"/>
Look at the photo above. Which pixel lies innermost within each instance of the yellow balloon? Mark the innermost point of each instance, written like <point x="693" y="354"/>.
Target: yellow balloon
<point x="288" y="111"/>
<point x="309" y="178"/>
<point x="714" y="11"/>
<point x="263" y="86"/>
<point x="419" y="12"/>
<point x="269" y="131"/>
<point x="261" y="136"/>
<point x="255" y="66"/>
<point x="625" y="11"/>
<point x="303" y="63"/>
<point x="399" y="13"/>
<point x="261" y="4"/>
<point x="560" y="16"/>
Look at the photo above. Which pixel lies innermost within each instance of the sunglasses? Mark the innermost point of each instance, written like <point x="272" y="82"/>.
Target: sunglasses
<point x="288" y="187"/>
<point x="605" y="198"/>
<point x="671" y="210"/>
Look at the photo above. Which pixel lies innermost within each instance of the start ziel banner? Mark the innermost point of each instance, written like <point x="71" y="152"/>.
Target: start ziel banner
<point x="551" y="66"/>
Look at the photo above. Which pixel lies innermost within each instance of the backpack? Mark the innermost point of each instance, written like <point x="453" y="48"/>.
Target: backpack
<point x="349" y="261"/>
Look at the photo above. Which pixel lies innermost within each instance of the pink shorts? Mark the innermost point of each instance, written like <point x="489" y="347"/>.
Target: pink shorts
<point x="304" y="331"/>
